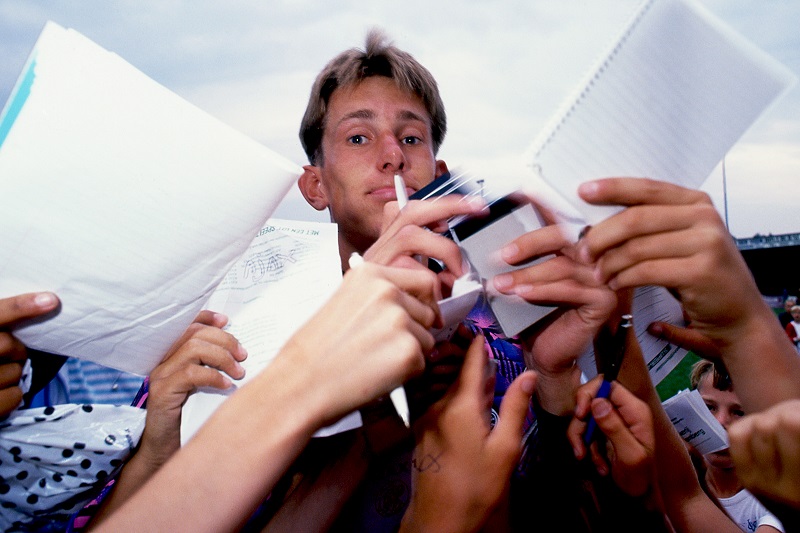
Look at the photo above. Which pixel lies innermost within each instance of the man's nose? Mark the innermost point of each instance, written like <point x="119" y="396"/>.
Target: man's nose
<point x="392" y="156"/>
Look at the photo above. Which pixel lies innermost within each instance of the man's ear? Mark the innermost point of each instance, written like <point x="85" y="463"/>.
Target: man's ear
<point x="311" y="187"/>
<point x="441" y="168"/>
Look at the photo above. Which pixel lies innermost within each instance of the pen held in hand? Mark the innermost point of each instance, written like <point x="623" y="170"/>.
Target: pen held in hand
<point x="610" y="349"/>
<point x="398" y="395"/>
<point x="402" y="201"/>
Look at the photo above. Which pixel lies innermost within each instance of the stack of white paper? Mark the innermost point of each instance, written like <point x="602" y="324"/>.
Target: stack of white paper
<point x="125" y="200"/>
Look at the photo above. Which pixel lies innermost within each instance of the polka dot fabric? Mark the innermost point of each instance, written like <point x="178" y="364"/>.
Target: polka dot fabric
<point x="54" y="459"/>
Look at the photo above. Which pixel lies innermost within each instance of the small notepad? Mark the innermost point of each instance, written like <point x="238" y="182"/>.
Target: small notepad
<point x="675" y="92"/>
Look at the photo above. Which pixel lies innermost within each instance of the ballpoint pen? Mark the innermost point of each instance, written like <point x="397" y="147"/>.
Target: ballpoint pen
<point x="398" y="395"/>
<point x="610" y="349"/>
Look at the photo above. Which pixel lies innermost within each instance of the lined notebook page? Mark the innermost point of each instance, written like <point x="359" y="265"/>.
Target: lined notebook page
<point x="676" y="91"/>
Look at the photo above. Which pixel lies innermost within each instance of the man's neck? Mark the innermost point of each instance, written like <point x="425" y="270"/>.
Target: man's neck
<point x="345" y="251"/>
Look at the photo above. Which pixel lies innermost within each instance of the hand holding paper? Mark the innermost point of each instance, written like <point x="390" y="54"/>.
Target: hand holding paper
<point x="675" y="91"/>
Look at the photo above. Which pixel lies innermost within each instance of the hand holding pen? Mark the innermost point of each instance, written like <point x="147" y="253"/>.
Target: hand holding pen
<point x="398" y="395"/>
<point x="609" y="352"/>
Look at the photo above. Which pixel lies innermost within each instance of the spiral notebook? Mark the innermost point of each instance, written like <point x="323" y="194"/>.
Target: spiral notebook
<point x="676" y="90"/>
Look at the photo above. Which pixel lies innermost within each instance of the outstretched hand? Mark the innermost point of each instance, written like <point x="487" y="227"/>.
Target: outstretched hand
<point x="461" y="469"/>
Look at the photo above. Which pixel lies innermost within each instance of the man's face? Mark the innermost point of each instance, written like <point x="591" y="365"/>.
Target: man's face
<point x="788" y="304"/>
<point x="725" y="406"/>
<point x="372" y="131"/>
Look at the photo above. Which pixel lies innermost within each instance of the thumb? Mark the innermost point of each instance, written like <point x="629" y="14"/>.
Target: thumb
<point x="627" y="449"/>
<point x="506" y="438"/>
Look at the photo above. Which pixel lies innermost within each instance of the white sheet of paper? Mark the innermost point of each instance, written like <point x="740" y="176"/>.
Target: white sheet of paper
<point x="513" y="313"/>
<point x="675" y="92"/>
<point x="650" y="304"/>
<point x="122" y="198"/>
<point x="454" y="309"/>
<point x="289" y="271"/>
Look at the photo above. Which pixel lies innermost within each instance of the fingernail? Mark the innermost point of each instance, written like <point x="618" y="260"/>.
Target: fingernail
<point x="503" y="281"/>
<point x="577" y="452"/>
<point x="45" y="300"/>
<point x="523" y="290"/>
<point x="242" y="351"/>
<point x="601" y="407"/>
<point x="597" y="274"/>
<point x="509" y="253"/>
<point x="588" y="188"/>
<point x="583" y="253"/>
<point x="476" y="203"/>
<point x="528" y="383"/>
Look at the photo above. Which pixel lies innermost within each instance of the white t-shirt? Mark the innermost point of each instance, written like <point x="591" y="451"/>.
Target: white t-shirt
<point x="748" y="513"/>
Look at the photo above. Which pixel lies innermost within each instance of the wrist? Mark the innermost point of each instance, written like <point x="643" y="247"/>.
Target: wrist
<point x="555" y="391"/>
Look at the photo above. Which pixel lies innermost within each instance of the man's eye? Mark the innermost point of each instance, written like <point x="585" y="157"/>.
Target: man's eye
<point x="410" y="139"/>
<point x="738" y="413"/>
<point x="712" y="408"/>
<point x="357" y="139"/>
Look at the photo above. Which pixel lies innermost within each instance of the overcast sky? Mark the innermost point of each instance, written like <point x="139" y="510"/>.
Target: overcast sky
<point x="503" y="69"/>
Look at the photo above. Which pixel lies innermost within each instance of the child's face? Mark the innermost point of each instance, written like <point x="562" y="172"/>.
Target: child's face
<point x="796" y="315"/>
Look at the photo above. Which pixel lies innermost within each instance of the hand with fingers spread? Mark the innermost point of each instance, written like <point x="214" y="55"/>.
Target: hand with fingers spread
<point x="765" y="448"/>
<point x="627" y="423"/>
<point x="461" y="469"/>
<point x="12" y="351"/>
<point x="553" y="345"/>
<point x="672" y="236"/>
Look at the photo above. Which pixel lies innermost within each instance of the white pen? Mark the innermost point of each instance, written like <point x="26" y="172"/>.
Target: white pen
<point x="402" y="201"/>
<point x="398" y="395"/>
<point x="400" y="191"/>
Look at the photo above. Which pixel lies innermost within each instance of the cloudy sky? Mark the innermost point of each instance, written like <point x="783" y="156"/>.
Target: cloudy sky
<point x="503" y="69"/>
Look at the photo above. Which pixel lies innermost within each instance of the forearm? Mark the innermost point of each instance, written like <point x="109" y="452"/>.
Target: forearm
<point x="678" y="488"/>
<point x="757" y="353"/>
<point x="135" y="474"/>
<point x="231" y="464"/>
<point x="555" y="392"/>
